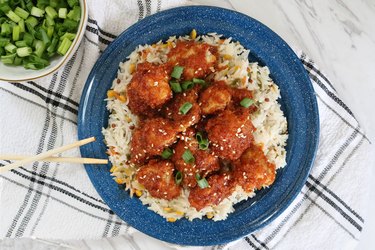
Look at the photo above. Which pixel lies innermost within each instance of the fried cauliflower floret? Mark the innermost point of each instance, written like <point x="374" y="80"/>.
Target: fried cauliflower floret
<point x="253" y="170"/>
<point x="215" y="98"/>
<point x="150" y="138"/>
<point x="220" y="187"/>
<point x="172" y="109"/>
<point x="230" y="133"/>
<point x="204" y="163"/>
<point x="196" y="58"/>
<point x="149" y="88"/>
<point x="157" y="177"/>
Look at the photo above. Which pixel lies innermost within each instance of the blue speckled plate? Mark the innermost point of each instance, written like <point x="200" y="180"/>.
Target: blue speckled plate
<point x="298" y="102"/>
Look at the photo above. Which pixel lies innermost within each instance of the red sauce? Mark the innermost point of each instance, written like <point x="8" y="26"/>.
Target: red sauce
<point x="198" y="59"/>
<point x="215" y="112"/>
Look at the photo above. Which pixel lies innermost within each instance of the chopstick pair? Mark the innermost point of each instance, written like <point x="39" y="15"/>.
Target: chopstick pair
<point x="48" y="156"/>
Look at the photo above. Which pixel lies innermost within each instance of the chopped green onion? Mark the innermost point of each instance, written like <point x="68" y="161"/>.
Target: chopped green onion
<point x="184" y="109"/>
<point x="175" y="86"/>
<point x="199" y="81"/>
<point x="16" y="33"/>
<point x="63" y="12"/>
<point x="21" y="12"/>
<point x="5" y="29"/>
<point x="32" y="21"/>
<point x="68" y="35"/>
<point x="23" y="52"/>
<point x="42" y="3"/>
<point x="35" y="62"/>
<point x="70" y="25"/>
<point x="178" y="178"/>
<point x="39" y="48"/>
<point x="202" y="142"/>
<point x="167" y="153"/>
<point x="44" y="36"/>
<point x="11" y="48"/>
<point x="177" y="72"/>
<point x="52" y="47"/>
<point x="72" y="3"/>
<point x="4" y="7"/>
<point x="75" y="13"/>
<point x="21" y="23"/>
<point x="29" y="5"/>
<point x="8" y="59"/>
<point x="247" y="102"/>
<point x="32" y="31"/>
<point x="186" y="85"/>
<point x="51" y="12"/>
<point x="50" y="31"/>
<point x="13" y="16"/>
<point x="202" y="182"/>
<point x="28" y="39"/>
<point x="54" y="3"/>
<point x="21" y="44"/>
<point x="50" y="21"/>
<point x="17" y="61"/>
<point x="64" y="46"/>
<point x="37" y="12"/>
<point x="188" y="157"/>
<point x="4" y="41"/>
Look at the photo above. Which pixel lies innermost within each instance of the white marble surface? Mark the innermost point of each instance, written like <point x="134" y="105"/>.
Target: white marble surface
<point x="339" y="35"/>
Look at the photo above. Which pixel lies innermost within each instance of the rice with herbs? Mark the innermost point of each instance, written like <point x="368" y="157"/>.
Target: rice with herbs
<point x="269" y="121"/>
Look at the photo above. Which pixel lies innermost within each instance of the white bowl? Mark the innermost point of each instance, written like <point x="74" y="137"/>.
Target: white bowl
<point x="19" y="73"/>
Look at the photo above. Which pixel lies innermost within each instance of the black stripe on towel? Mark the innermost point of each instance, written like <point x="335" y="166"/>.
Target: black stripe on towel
<point x="39" y="150"/>
<point x="251" y="243"/>
<point x="51" y="143"/>
<point x="62" y="191"/>
<point x="298" y="205"/>
<point x="148" y="7"/>
<point x="36" y="104"/>
<point x="106" y="33"/>
<point x="334" y="205"/>
<point x="328" y="92"/>
<point x="141" y="9"/>
<point x="61" y="96"/>
<point x="337" y="198"/>
<point x="96" y="32"/>
<point x="62" y="202"/>
<point x="47" y="99"/>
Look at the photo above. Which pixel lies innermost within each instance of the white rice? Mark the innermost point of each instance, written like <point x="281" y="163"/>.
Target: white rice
<point x="269" y="120"/>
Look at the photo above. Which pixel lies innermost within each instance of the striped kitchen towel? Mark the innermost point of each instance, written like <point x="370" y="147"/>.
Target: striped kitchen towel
<point x="58" y="201"/>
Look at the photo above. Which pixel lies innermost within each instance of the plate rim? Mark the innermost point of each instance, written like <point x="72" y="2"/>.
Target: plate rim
<point x="313" y="103"/>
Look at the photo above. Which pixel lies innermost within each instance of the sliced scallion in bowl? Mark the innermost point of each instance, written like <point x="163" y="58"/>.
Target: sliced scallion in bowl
<point x="35" y="31"/>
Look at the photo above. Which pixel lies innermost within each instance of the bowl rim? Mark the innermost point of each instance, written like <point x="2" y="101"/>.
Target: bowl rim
<point x="68" y="55"/>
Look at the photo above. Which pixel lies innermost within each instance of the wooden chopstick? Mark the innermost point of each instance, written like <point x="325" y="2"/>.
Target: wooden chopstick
<point x="46" y="154"/>
<point x="57" y="159"/>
